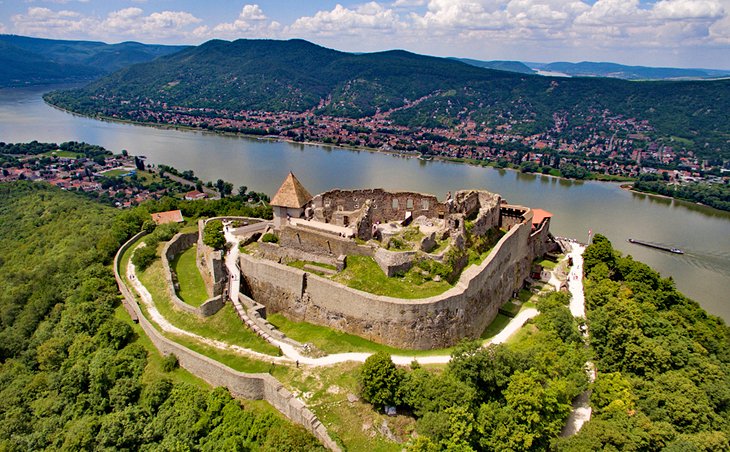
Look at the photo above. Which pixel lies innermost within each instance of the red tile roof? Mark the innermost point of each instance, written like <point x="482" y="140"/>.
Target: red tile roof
<point x="171" y="216"/>
<point x="538" y="215"/>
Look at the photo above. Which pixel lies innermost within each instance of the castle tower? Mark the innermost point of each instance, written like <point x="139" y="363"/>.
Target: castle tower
<point x="289" y="201"/>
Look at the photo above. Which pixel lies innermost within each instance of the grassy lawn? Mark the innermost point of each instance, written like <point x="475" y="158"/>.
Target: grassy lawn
<point x="192" y="287"/>
<point x="333" y="341"/>
<point x="511" y="308"/>
<point x="363" y="273"/>
<point x="495" y="327"/>
<point x="524" y="295"/>
<point x="354" y="424"/>
<point x="224" y="325"/>
<point x="60" y="153"/>
<point x="115" y="172"/>
<point x="548" y="264"/>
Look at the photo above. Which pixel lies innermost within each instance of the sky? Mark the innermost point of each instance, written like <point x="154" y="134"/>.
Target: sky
<point x="674" y="33"/>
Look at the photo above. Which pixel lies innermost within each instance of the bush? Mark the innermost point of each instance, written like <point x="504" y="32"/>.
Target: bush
<point x="170" y="363"/>
<point x="270" y="238"/>
<point x="213" y="235"/>
<point x="380" y="380"/>
<point x="143" y="257"/>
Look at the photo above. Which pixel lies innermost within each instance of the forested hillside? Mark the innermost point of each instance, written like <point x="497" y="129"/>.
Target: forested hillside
<point x="74" y="375"/>
<point x="663" y="363"/>
<point x="227" y="77"/>
<point x="26" y="61"/>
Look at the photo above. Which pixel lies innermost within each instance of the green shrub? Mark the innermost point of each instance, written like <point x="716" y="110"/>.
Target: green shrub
<point x="170" y="363"/>
<point x="144" y="256"/>
<point x="213" y="235"/>
<point x="270" y="238"/>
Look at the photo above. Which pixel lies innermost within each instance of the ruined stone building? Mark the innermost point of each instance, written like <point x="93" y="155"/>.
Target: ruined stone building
<point x="398" y="230"/>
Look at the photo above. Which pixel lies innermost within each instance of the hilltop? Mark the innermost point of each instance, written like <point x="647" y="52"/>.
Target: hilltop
<point x="25" y="60"/>
<point x="223" y="78"/>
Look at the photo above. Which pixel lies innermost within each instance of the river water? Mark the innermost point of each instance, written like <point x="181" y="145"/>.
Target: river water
<point x="703" y="273"/>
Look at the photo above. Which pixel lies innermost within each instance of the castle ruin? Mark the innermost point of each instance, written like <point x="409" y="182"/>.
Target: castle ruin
<point x="401" y="232"/>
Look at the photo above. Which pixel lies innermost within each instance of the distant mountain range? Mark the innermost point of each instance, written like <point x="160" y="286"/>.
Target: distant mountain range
<point x="419" y="91"/>
<point x="511" y="66"/>
<point x="27" y="61"/>
<point x="591" y="69"/>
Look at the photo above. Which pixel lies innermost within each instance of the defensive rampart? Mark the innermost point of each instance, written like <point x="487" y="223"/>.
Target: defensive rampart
<point x="435" y="322"/>
<point x="175" y="246"/>
<point x="248" y="386"/>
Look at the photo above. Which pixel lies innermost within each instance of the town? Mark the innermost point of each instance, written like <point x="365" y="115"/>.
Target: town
<point x="603" y="146"/>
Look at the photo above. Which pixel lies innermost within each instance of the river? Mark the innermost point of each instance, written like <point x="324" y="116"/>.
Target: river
<point x="702" y="273"/>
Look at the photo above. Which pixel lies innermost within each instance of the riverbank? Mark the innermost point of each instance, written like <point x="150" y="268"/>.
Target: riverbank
<point x="277" y="138"/>
<point x="686" y="202"/>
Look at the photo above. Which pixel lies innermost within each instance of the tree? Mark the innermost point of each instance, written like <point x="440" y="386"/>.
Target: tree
<point x="242" y="190"/>
<point x="213" y="235"/>
<point x="380" y="380"/>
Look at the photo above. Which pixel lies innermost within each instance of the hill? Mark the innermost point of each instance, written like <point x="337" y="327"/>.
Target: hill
<point x="27" y="60"/>
<point x="593" y="69"/>
<point x="418" y="91"/>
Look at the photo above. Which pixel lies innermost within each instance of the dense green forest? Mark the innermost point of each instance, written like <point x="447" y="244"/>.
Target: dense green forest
<point x="515" y="396"/>
<point x="74" y="375"/>
<point x="663" y="374"/>
<point x="663" y="363"/>
<point x="297" y="75"/>
<point x="713" y="195"/>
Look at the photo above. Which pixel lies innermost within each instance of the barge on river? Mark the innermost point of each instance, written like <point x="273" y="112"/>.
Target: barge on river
<point x="658" y="247"/>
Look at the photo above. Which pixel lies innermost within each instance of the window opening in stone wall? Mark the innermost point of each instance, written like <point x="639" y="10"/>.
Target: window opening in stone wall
<point x="395" y="203"/>
<point x="409" y="203"/>
<point x="424" y="204"/>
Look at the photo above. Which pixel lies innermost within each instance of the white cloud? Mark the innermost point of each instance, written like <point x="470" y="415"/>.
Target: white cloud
<point x="127" y="23"/>
<point x="688" y="9"/>
<point x="340" y="20"/>
<point x="45" y="22"/>
<point x="250" y="23"/>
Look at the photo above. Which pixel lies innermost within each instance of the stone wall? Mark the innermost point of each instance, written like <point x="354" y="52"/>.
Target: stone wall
<point x="383" y="208"/>
<point x="321" y="243"/>
<point x="283" y="255"/>
<point x="249" y="386"/>
<point x="211" y="263"/>
<point x="435" y="322"/>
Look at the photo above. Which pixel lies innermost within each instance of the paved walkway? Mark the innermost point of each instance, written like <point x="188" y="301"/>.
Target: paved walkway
<point x="581" y="406"/>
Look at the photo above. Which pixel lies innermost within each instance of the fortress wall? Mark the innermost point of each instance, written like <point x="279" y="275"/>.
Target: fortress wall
<point x="320" y="243"/>
<point x="210" y="263"/>
<point x="436" y="322"/>
<point x="382" y="202"/>
<point x="276" y="286"/>
<point x="539" y="244"/>
<point x="248" y="386"/>
<point x="276" y="253"/>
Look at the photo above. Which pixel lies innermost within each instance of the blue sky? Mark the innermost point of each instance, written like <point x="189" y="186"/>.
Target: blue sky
<point x="680" y="33"/>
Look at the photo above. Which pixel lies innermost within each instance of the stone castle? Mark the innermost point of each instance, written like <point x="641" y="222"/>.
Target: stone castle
<point x="398" y="230"/>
